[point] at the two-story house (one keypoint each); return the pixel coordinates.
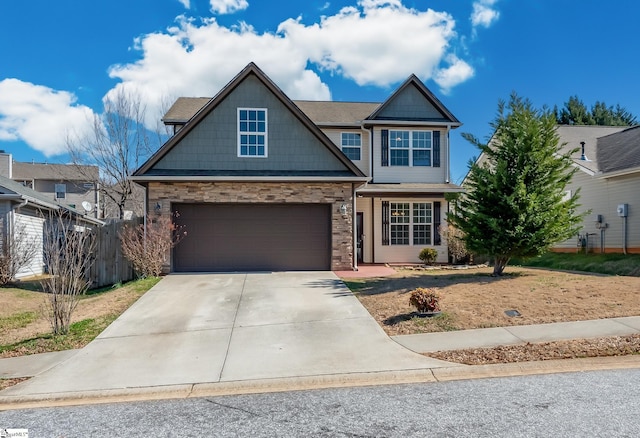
(261, 182)
(71, 185)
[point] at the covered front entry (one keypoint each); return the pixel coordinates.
(253, 237)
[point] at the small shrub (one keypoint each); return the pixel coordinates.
(425, 300)
(428, 255)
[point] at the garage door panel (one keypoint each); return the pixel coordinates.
(231, 237)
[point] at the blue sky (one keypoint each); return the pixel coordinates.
(61, 58)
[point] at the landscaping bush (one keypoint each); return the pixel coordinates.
(428, 255)
(425, 300)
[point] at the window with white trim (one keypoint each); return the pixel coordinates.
(61, 191)
(351, 144)
(411, 223)
(252, 132)
(410, 148)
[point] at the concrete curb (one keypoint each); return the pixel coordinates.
(429, 375)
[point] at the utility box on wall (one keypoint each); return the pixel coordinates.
(623, 210)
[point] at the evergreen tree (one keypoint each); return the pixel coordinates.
(575, 112)
(515, 205)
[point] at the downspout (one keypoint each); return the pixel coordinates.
(447, 150)
(624, 235)
(371, 153)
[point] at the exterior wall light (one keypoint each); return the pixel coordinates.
(343, 209)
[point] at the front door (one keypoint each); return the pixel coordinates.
(360, 236)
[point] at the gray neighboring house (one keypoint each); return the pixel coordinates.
(75, 186)
(262, 182)
(22, 208)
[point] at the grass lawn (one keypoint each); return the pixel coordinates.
(25, 327)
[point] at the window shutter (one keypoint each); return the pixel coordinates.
(436, 223)
(385, 222)
(385, 147)
(436, 148)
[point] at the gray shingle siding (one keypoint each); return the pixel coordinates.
(410, 104)
(212, 144)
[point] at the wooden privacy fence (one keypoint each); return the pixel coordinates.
(110, 266)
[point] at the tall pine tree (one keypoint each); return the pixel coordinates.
(515, 205)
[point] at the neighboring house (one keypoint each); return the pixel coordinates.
(23, 212)
(608, 177)
(75, 186)
(263, 182)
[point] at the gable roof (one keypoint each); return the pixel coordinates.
(619, 151)
(250, 70)
(413, 81)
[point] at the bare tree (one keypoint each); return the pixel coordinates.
(147, 246)
(17, 250)
(455, 242)
(119, 142)
(68, 255)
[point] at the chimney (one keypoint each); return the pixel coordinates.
(6, 164)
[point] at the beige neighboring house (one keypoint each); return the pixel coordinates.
(70, 185)
(609, 180)
(262, 182)
(608, 176)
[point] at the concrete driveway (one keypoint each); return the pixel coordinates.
(211, 328)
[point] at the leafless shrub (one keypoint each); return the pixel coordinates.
(68, 255)
(17, 250)
(147, 247)
(455, 242)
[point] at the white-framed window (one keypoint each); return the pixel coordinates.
(252, 132)
(410, 148)
(351, 144)
(422, 223)
(61, 191)
(411, 223)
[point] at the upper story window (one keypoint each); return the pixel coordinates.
(410, 148)
(351, 143)
(252, 132)
(61, 191)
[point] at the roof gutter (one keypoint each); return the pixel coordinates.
(617, 173)
(190, 178)
(449, 125)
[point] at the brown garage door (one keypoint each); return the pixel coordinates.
(253, 237)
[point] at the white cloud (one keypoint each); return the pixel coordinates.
(456, 73)
(377, 42)
(484, 14)
(185, 3)
(228, 6)
(40, 116)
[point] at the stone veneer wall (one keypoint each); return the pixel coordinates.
(337, 194)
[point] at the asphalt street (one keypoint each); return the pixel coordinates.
(588, 404)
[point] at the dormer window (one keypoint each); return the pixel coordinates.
(252, 132)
